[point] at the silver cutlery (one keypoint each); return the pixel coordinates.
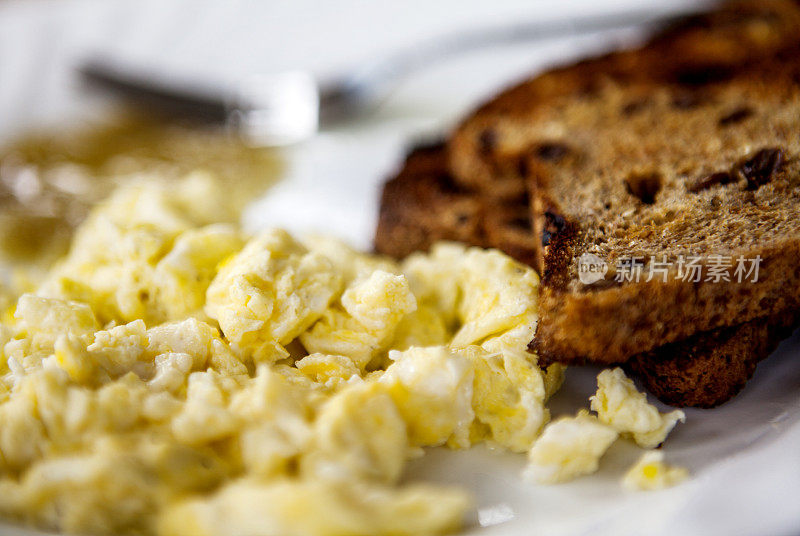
(283, 108)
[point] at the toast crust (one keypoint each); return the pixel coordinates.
(627, 320)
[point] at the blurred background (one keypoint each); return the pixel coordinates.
(216, 43)
(329, 182)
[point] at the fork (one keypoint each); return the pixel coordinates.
(287, 107)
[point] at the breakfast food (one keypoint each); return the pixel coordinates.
(650, 472)
(49, 179)
(620, 405)
(569, 447)
(703, 370)
(578, 145)
(176, 376)
(710, 367)
(722, 228)
(422, 204)
(734, 68)
(572, 446)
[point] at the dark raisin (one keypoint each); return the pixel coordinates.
(553, 224)
(551, 151)
(735, 116)
(448, 185)
(759, 168)
(487, 141)
(644, 186)
(554, 221)
(589, 89)
(722, 177)
(701, 75)
(433, 145)
(462, 218)
(546, 236)
(679, 25)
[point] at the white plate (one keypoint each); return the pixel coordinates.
(744, 456)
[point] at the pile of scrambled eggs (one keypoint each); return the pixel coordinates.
(176, 376)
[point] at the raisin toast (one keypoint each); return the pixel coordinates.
(709, 368)
(485, 150)
(422, 205)
(417, 208)
(702, 189)
(686, 147)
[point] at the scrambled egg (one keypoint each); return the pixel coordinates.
(291, 507)
(176, 376)
(484, 296)
(364, 321)
(432, 388)
(173, 375)
(569, 447)
(572, 446)
(509, 393)
(651, 473)
(113, 262)
(619, 404)
(269, 293)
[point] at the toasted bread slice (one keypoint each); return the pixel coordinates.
(709, 368)
(699, 188)
(717, 185)
(686, 148)
(422, 205)
(485, 150)
(704, 370)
